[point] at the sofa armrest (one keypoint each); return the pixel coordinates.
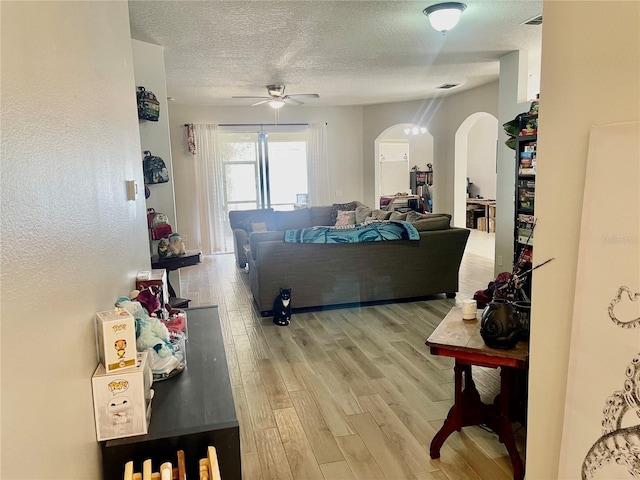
(240, 238)
(256, 237)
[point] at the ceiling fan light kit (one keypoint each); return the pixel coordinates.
(277, 98)
(276, 103)
(444, 16)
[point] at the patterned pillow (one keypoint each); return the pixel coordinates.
(345, 207)
(345, 218)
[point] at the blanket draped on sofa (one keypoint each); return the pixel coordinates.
(370, 232)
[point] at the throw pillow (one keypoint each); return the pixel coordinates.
(362, 212)
(345, 207)
(259, 227)
(345, 218)
(397, 216)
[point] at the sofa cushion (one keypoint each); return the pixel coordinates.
(291, 219)
(362, 212)
(345, 207)
(245, 219)
(429, 221)
(320, 216)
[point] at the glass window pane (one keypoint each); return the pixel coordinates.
(240, 182)
(287, 171)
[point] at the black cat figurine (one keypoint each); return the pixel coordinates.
(282, 308)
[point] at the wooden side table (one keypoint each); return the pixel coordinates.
(190, 412)
(461, 339)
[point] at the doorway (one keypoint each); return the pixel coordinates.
(397, 150)
(475, 159)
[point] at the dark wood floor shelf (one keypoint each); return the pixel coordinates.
(189, 412)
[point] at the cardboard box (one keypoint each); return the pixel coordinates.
(116, 337)
(156, 277)
(122, 400)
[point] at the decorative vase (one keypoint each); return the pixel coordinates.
(505, 323)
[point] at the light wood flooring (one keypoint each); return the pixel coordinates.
(348, 393)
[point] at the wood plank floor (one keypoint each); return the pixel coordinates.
(348, 393)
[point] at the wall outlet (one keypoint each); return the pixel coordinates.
(338, 193)
(499, 258)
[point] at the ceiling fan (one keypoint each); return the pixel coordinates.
(277, 98)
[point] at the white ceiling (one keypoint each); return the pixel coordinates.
(349, 52)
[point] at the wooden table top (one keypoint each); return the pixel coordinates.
(481, 201)
(461, 339)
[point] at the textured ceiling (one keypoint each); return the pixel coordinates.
(348, 52)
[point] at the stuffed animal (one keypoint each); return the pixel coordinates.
(176, 245)
(149, 298)
(163, 248)
(152, 335)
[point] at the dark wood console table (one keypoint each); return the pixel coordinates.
(190, 258)
(189, 412)
(461, 339)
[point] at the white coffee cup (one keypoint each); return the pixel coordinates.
(469, 309)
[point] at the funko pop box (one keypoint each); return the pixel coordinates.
(122, 400)
(116, 337)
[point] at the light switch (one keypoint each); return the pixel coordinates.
(132, 190)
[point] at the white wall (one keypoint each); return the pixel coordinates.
(71, 241)
(590, 76)
(442, 117)
(344, 132)
(513, 100)
(481, 156)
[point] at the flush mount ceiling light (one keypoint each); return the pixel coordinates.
(444, 16)
(276, 103)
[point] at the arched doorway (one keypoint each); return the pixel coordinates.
(391, 168)
(475, 158)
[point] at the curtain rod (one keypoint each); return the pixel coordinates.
(261, 124)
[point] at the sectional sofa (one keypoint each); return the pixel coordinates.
(345, 273)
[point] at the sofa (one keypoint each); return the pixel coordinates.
(347, 273)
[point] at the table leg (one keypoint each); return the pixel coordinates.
(467, 408)
(501, 422)
(172, 292)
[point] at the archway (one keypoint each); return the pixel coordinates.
(475, 151)
(393, 143)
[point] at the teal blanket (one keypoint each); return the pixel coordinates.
(369, 232)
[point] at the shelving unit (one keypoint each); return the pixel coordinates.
(526, 147)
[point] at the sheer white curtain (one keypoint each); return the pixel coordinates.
(209, 190)
(318, 165)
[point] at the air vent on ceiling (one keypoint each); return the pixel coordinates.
(537, 20)
(447, 86)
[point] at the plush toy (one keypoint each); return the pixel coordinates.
(149, 298)
(176, 245)
(152, 335)
(163, 248)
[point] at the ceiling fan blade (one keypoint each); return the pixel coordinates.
(260, 103)
(304, 95)
(250, 97)
(288, 99)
